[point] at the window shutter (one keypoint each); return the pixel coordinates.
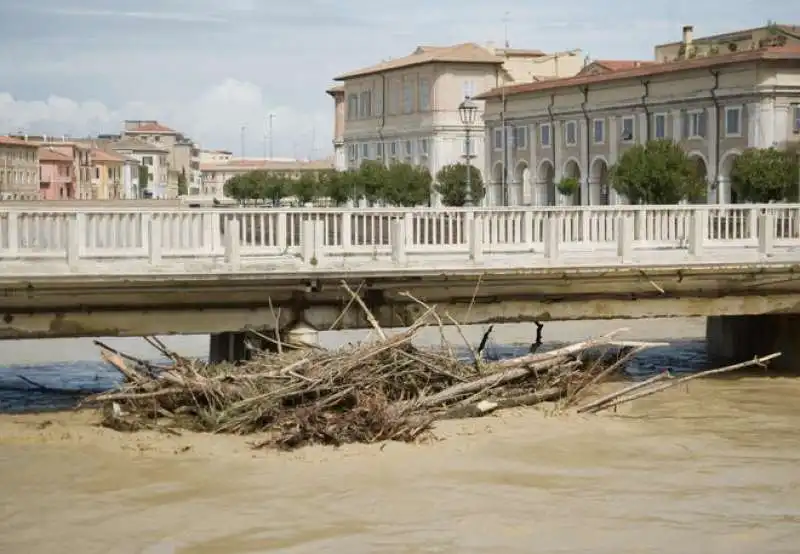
(701, 124)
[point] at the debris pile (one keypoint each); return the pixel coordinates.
(384, 389)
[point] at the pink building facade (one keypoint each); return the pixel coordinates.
(56, 175)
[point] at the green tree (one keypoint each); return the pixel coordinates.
(372, 181)
(183, 184)
(306, 187)
(407, 185)
(333, 185)
(451, 183)
(351, 184)
(765, 175)
(658, 172)
(144, 179)
(243, 187)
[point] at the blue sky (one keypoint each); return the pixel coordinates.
(208, 67)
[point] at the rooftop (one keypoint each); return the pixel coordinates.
(149, 127)
(11, 141)
(47, 154)
(468, 52)
(338, 89)
(647, 70)
(791, 29)
(103, 156)
(268, 165)
(136, 145)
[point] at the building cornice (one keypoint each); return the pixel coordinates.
(627, 106)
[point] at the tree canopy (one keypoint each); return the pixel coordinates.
(765, 175)
(659, 172)
(451, 183)
(399, 184)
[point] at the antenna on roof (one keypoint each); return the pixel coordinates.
(506, 17)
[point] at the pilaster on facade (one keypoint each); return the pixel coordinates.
(557, 143)
(641, 134)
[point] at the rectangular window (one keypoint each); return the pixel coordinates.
(352, 151)
(408, 97)
(521, 137)
(378, 104)
(379, 150)
(352, 107)
(599, 131)
(733, 121)
(660, 126)
(365, 151)
(365, 104)
(497, 139)
(796, 119)
(468, 89)
(544, 135)
(696, 122)
(147, 160)
(393, 149)
(394, 97)
(628, 128)
(571, 133)
(409, 148)
(424, 95)
(423, 147)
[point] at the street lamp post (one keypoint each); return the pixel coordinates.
(467, 112)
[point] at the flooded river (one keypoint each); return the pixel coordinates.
(714, 468)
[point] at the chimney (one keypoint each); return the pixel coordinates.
(688, 34)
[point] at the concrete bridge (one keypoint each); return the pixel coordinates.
(136, 271)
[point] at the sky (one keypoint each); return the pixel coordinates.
(209, 67)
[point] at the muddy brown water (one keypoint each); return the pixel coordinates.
(712, 468)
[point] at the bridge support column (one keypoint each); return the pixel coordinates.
(736, 338)
(228, 347)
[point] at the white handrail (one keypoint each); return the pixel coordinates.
(172, 233)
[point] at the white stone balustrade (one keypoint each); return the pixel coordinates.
(234, 236)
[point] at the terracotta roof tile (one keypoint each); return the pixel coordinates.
(98, 155)
(11, 141)
(136, 145)
(152, 128)
(268, 165)
(47, 154)
(460, 53)
(775, 53)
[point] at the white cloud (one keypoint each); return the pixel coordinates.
(214, 119)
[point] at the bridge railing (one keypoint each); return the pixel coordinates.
(134, 232)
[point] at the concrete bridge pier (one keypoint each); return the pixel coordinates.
(228, 347)
(232, 346)
(737, 338)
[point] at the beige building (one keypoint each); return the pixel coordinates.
(714, 104)
(183, 156)
(214, 156)
(107, 175)
(19, 169)
(154, 158)
(216, 173)
(406, 109)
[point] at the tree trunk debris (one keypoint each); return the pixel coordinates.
(385, 389)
